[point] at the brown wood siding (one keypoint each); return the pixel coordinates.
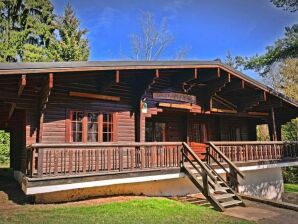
(247, 128)
(60, 104)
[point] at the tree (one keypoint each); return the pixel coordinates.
(72, 46)
(283, 48)
(289, 72)
(289, 5)
(234, 62)
(152, 41)
(27, 30)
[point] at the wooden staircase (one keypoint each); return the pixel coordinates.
(217, 191)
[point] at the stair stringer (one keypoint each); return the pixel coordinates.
(209, 197)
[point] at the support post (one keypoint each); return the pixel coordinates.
(273, 133)
(138, 122)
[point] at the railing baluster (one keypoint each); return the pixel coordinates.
(121, 159)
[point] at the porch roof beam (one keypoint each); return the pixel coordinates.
(234, 85)
(252, 101)
(206, 93)
(46, 91)
(22, 84)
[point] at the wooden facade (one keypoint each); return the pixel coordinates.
(128, 102)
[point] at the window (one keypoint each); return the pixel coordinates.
(235, 133)
(107, 131)
(155, 131)
(77, 126)
(91, 127)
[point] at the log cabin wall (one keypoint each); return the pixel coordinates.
(237, 129)
(54, 128)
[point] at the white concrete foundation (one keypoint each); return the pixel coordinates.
(170, 187)
(265, 183)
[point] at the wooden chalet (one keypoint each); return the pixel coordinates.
(79, 125)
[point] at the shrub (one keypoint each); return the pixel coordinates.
(4, 147)
(290, 174)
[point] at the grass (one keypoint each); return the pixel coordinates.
(293, 188)
(134, 211)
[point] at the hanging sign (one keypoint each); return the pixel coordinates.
(175, 96)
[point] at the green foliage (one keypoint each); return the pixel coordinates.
(290, 131)
(289, 73)
(263, 133)
(289, 5)
(27, 29)
(72, 46)
(234, 62)
(290, 174)
(283, 48)
(4, 147)
(28, 33)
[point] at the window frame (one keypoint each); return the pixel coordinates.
(69, 121)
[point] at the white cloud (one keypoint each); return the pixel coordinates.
(172, 7)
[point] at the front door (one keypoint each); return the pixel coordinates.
(198, 138)
(156, 131)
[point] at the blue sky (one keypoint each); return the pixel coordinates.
(208, 28)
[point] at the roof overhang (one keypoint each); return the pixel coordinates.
(68, 67)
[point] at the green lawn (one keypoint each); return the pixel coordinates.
(135, 211)
(291, 188)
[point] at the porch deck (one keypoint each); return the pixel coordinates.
(69, 160)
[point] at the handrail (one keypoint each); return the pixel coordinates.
(224, 143)
(111, 144)
(228, 161)
(197, 159)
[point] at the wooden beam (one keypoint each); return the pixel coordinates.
(196, 73)
(11, 110)
(176, 105)
(51, 81)
(46, 91)
(117, 76)
(273, 123)
(252, 101)
(22, 85)
(157, 73)
(234, 85)
(258, 113)
(217, 110)
(206, 93)
(224, 102)
(94, 96)
(44, 98)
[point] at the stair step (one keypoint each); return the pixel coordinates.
(223, 196)
(231, 203)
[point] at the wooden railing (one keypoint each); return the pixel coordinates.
(214, 156)
(256, 151)
(46, 160)
(189, 156)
